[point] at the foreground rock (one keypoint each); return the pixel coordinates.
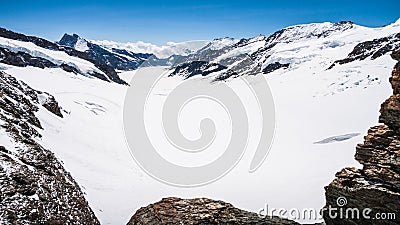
(34, 186)
(198, 211)
(377, 185)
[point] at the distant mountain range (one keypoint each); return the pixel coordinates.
(319, 44)
(77, 55)
(286, 49)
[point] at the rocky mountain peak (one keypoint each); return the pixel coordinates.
(74, 41)
(69, 40)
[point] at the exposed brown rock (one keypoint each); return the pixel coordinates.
(395, 81)
(198, 211)
(360, 194)
(380, 155)
(377, 185)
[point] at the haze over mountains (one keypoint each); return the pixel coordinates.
(62, 103)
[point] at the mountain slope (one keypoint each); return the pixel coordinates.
(296, 46)
(35, 188)
(64, 57)
(374, 49)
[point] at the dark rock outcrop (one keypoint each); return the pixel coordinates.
(34, 186)
(374, 49)
(377, 185)
(52, 105)
(199, 211)
(197, 68)
(274, 66)
(109, 71)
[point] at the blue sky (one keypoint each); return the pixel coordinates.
(161, 21)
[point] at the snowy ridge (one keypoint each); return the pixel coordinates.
(56, 57)
(217, 44)
(317, 44)
(310, 31)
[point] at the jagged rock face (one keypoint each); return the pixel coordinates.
(377, 184)
(71, 41)
(51, 104)
(380, 154)
(390, 109)
(374, 49)
(110, 73)
(34, 186)
(390, 112)
(361, 193)
(118, 59)
(199, 211)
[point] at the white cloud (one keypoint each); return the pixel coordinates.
(164, 51)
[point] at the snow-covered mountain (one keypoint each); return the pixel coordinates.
(327, 80)
(21, 50)
(119, 59)
(320, 45)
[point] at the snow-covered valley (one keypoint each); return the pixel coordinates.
(311, 104)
